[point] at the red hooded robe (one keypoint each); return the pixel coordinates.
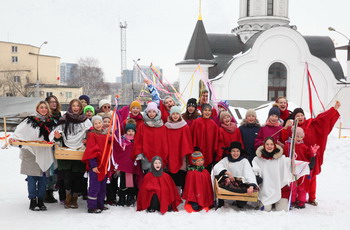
(225, 139)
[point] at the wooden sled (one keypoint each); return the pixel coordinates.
(62, 153)
(33, 143)
(224, 194)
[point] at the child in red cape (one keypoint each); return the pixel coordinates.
(151, 139)
(205, 135)
(198, 191)
(92, 157)
(158, 191)
(305, 153)
(316, 132)
(228, 132)
(192, 112)
(179, 145)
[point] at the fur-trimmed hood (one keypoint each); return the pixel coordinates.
(275, 156)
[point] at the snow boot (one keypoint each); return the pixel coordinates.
(49, 198)
(121, 201)
(95, 211)
(74, 201)
(41, 204)
(67, 202)
(130, 201)
(312, 202)
(33, 205)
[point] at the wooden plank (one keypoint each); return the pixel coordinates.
(32, 144)
(224, 194)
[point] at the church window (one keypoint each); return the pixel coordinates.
(269, 7)
(277, 83)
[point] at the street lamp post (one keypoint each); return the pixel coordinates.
(347, 47)
(37, 70)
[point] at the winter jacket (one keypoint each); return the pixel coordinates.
(249, 132)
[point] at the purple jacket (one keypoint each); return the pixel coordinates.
(268, 131)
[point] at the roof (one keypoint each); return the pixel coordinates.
(52, 86)
(198, 50)
(323, 48)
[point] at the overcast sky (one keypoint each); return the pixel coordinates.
(158, 30)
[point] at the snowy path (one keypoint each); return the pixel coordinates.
(333, 211)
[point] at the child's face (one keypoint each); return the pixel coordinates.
(204, 98)
(299, 138)
(235, 153)
(168, 103)
(300, 117)
(175, 116)
(269, 146)
(199, 162)
(83, 103)
(226, 120)
(151, 114)
(273, 118)
(97, 125)
(42, 109)
(157, 165)
(130, 132)
(282, 104)
(206, 113)
(89, 114)
(221, 108)
(251, 119)
(135, 111)
(106, 122)
(191, 109)
(76, 108)
(106, 108)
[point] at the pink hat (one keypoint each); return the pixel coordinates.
(152, 106)
(300, 132)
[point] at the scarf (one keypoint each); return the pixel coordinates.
(229, 128)
(69, 119)
(155, 122)
(268, 123)
(175, 125)
(196, 168)
(127, 140)
(267, 155)
(138, 117)
(284, 114)
(44, 123)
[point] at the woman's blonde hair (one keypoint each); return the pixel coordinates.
(49, 113)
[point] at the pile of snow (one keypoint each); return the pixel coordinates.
(332, 213)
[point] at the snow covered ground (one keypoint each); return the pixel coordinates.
(333, 211)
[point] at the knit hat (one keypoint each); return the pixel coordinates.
(156, 173)
(94, 118)
(204, 106)
(192, 102)
(89, 108)
(130, 126)
(250, 112)
(135, 104)
(299, 132)
(223, 114)
(175, 109)
(166, 97)
(224, 104)
(196, 155)
(275, 111)
(234, 145)
(86, 98)
(152, 106)
(296, 111)
(103, 102)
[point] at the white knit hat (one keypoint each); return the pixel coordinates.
(103, 102)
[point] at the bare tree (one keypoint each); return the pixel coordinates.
(14, 82)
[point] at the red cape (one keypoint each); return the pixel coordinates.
(164, 111)
(198, 188)
(164, 187)
(303, 151)
(179, 145)
(316, 132)
(151, 142)
(225, 139)
(94, 149)
(205, 135)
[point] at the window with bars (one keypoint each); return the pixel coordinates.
(277, 81)
(269, 7)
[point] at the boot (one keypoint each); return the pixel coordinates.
(74, 201)
(41, 204)
(49, 198)
(67, 202)
(121, 201)
(95, 211)
(130, 201)
(33, 205)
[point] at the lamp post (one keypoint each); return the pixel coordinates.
(37, 69)
(347, 47)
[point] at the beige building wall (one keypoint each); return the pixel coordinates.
(22, 60)
(63, 94)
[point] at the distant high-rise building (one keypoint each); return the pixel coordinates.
(66, 70)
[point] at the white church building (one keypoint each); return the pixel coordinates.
(263, 58)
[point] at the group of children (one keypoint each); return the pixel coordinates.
(157, 157)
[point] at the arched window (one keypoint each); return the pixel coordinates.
(277, 85)
(269, 7)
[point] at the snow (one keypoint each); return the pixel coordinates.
(332, 213)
